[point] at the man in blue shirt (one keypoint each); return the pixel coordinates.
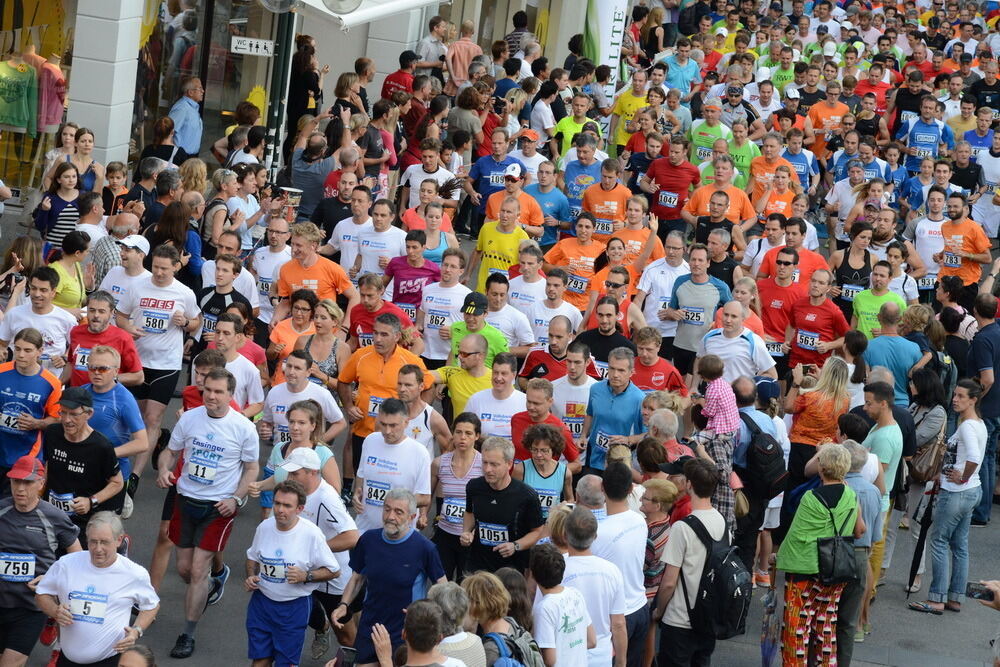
(924, 136)
(186, 114)
(892, 351)
(984, 365)
(614, 410)
(682, 71)
(486, 176)
(981, 136)
(555, 205)
(580, 174)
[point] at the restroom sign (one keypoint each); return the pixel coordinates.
(252, 47)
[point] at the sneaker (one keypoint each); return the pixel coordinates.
(761, 578)
(132, 485)
(320, 644)
(127, 506)
(54, 658)
(183, 647)
(979, 523)
(218, 586)
(49, 633)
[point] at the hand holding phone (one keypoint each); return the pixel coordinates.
(978, 591)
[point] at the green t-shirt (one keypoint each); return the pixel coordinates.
(887, 444)
(782, 77)
(702, 137)
(866, 307)
(569, 129)
(708, 176)
(496, 341)
(798, 553)
(742, 155)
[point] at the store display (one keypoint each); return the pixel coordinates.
(18, 96)
(52, 95)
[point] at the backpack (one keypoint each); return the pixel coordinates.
(945, 367)
(517, 649)
(724, 592)
(766, 474)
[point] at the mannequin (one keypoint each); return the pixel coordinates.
(52, 94)
(20, 114)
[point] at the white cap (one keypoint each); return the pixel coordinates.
(135, 241)
(722, 31)
(829, 49)
(791, 93)
(301, 458)
(763, 73)
(847, 25)
(513, 169)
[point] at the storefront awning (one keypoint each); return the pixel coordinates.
(372, 10)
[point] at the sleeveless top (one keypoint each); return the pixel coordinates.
(851, 282)
(549, 489)
(328, 365)
(868, 127)
(435, 254)
(453, 492)
(419, 428)
(87, 179)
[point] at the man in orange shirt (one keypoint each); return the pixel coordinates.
(459, 56)
(966, 248)
(513, 186)
(308, 270)
(636, 233)
(740, 211)
(825, 118)
(606, 200)
(809, 261)
(762, 167)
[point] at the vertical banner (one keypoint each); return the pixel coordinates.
(603, 35)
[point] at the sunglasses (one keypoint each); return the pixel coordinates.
(611, 285)
(465, 355)
(781, 262)
(511, 179)
(102, 369)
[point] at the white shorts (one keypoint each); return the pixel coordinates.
(772, 518)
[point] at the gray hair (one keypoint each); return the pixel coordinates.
(109, 519)
(399, 493)
(677, 234)
(881, 374)
(392, 321)
(580, 528)
(723, 158)
(476, 67)
(188, 85)
(739, 121)
(454, 603)
(532, 49)
(773, 135)
(349, 156)
(150, 167)
(664, 422)
(723, 235)
(167, 180)
(584, 139)
(589, 492)
(622, 353)
(962, 144)
(101, 295)
(859, 455)
(494, 442)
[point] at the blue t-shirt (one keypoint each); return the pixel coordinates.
(681, 76)
(578, 178)
(898, 177)
(838, 164)
(612, 414)
(805, 164)
(553, 203)
(116, 416)
(979, 144)
(504, 86)
(926, 138)
(984, 354)
(20, 394)
(309, 177)
(487, 174)
(396, 574)
(899, 356)
(877, 168)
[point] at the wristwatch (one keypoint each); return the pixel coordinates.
(94, 502)
(309, 576)
(240, 502)
(517, 547)
(138, 629)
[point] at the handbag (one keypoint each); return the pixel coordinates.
(925, 465)
(837, 564)
(741, 506)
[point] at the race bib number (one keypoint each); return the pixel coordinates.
(807, 340)
(547, 499)
(603, 440)
(577, 284)
(574, 213)
(63, 501)
(774, 348)
(668, 199)
(201, 470)
(604, 226)
(155, 321)
(906, 116)
(375, 493)
(10, 421)
(453, 510)
(795, 276)
(365, 339)
(17, 567)
(409, 309)
(848, 292)
(374, 402)
(951, 260)
(492, 534)
(272, 569)
(694, 316)
(88, 607)
(82, 355)
(925, 152)
(435, 319)
(926, 282)
(281, 434)
(496, 178)
(602, 368)
(703, 153)
(264, 287)
(208, 323)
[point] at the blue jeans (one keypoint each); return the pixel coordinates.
(988, 471)
(950, 537)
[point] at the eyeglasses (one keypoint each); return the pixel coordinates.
(277, 231)
(101, 369)
(675, 247)
(465, 355)
(781, 262)
(611, 285)
(302, 309)
(74, 415)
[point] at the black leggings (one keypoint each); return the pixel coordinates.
(453, 555)
(323, 606)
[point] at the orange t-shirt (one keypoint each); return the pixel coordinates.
(778, 203)
(578, 260)
(762, 172)
(325, 277)
(815, 418)
(973, 239)
(740, 208)
(752, 322)
(412, 220)
(531, 212)
(597, 282)
(376, 380)
(825, 119)
(809, 262)
(284, 333)
(634, 240)
(608, 206)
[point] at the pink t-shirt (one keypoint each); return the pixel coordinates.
(409, 282)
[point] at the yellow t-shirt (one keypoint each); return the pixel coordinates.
(461, 385)
(499, 251)
(71, 291)
(625, 107)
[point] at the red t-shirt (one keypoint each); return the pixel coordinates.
(81, 342)
(541, 364)
(398, 81)
(363, 322)
(774, 302)
(331, 186)
(520, 422)
(814, 324)
(879, 89)
(675, 186)
(661, 376)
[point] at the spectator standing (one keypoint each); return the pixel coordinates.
(186, 114)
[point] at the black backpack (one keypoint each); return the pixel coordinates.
(724, 592)
(766, 474)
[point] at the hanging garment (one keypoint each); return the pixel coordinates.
(18, 96)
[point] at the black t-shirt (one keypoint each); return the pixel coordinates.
(906, 101)
(638, 164)
(371, 143)
(213, 304)
(138, 193)
(29, 533)
(501, 516)
(600, 345)
(704, 226)
(986, 94)
(936, 42)
(723, 270)
(79, 469)
(967, 178)
(807, 99)
(328, 213)
(175, 155)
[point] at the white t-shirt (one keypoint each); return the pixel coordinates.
(415, 175)
(685, 550)
(281, 397)
(530, 163)
(494, 413)
(303, 546)
(539, 315)
(569, 402)
(522, 294)
(100, 600)
(603, 589)
(561, 622)
(267, 264)
(243, 283)
(325, 509)
(513, 324)
(904, 286)
(843, 196)
(542, 119)
(441, 307)
(95, 232)
(384, 467)
(657, 281)
(345, 239)
(925, 234)
(786, 448)
(151, 309)
(968, 443)
(372, 245)
(753, 256)
(117, 282)
(621, 539)
(248, 387)
(215, 450)
(745, 354)
(53, 325)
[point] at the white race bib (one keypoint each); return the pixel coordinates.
(88, 607)
(807, 340)
(926, 282)
(694, 316)
(272, 569)
(774, 348)
(848, 292)
(17, 567)
(375, 493)
(202, 470)
(492, 534)
(63, 501)
(453, 510)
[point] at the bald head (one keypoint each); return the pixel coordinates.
(733, 314)
(745, 390)
(889, 314)
(124, 224)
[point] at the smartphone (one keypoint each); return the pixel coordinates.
(978, 592)
(499, 105)
(350, 656)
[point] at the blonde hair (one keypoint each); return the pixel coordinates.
(661, 491)
(832, 382)
(332, 309)
(915, 318)
(194, 175)
(654, 20)
(620, 453)
(488, 599)
(834, 461)
(793, 181)
(751, 284)
(358, 121)
(556, 524)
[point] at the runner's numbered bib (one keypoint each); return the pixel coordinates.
(926, 282)
(774, 348)
(602, 368)
(409, 309)
(668, 199)
(201, 470)
(155, 321)
(574, 213)
(281, 434)
(848, 292)
(272, 569)
(10, 420)
(88, 607)
(374, 402)
(924, 153)
(365, 339)
(547, 499)
(63, 501)
(264, 287)
(807, 340)
(604, 226)
(453, 510)
(951, 260)
(435, 319)
(375, 493)
(577, 284)
(603, 440)
(906, 116)
(496, 178)
(17, 568)
(492, 534)
(703, 153)
(82, 355)
(694, 316)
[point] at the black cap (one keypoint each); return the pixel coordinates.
(966, 58)
(76, 397)
(822, 29)
(675, 467)
(777, 6)
(933, 22)
(475, 304)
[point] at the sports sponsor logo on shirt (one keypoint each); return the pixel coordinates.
(382, 464)
(158, 304)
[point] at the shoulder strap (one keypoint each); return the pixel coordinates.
(839, 532)
(750, 423)
(501, 643)
(695, 524)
